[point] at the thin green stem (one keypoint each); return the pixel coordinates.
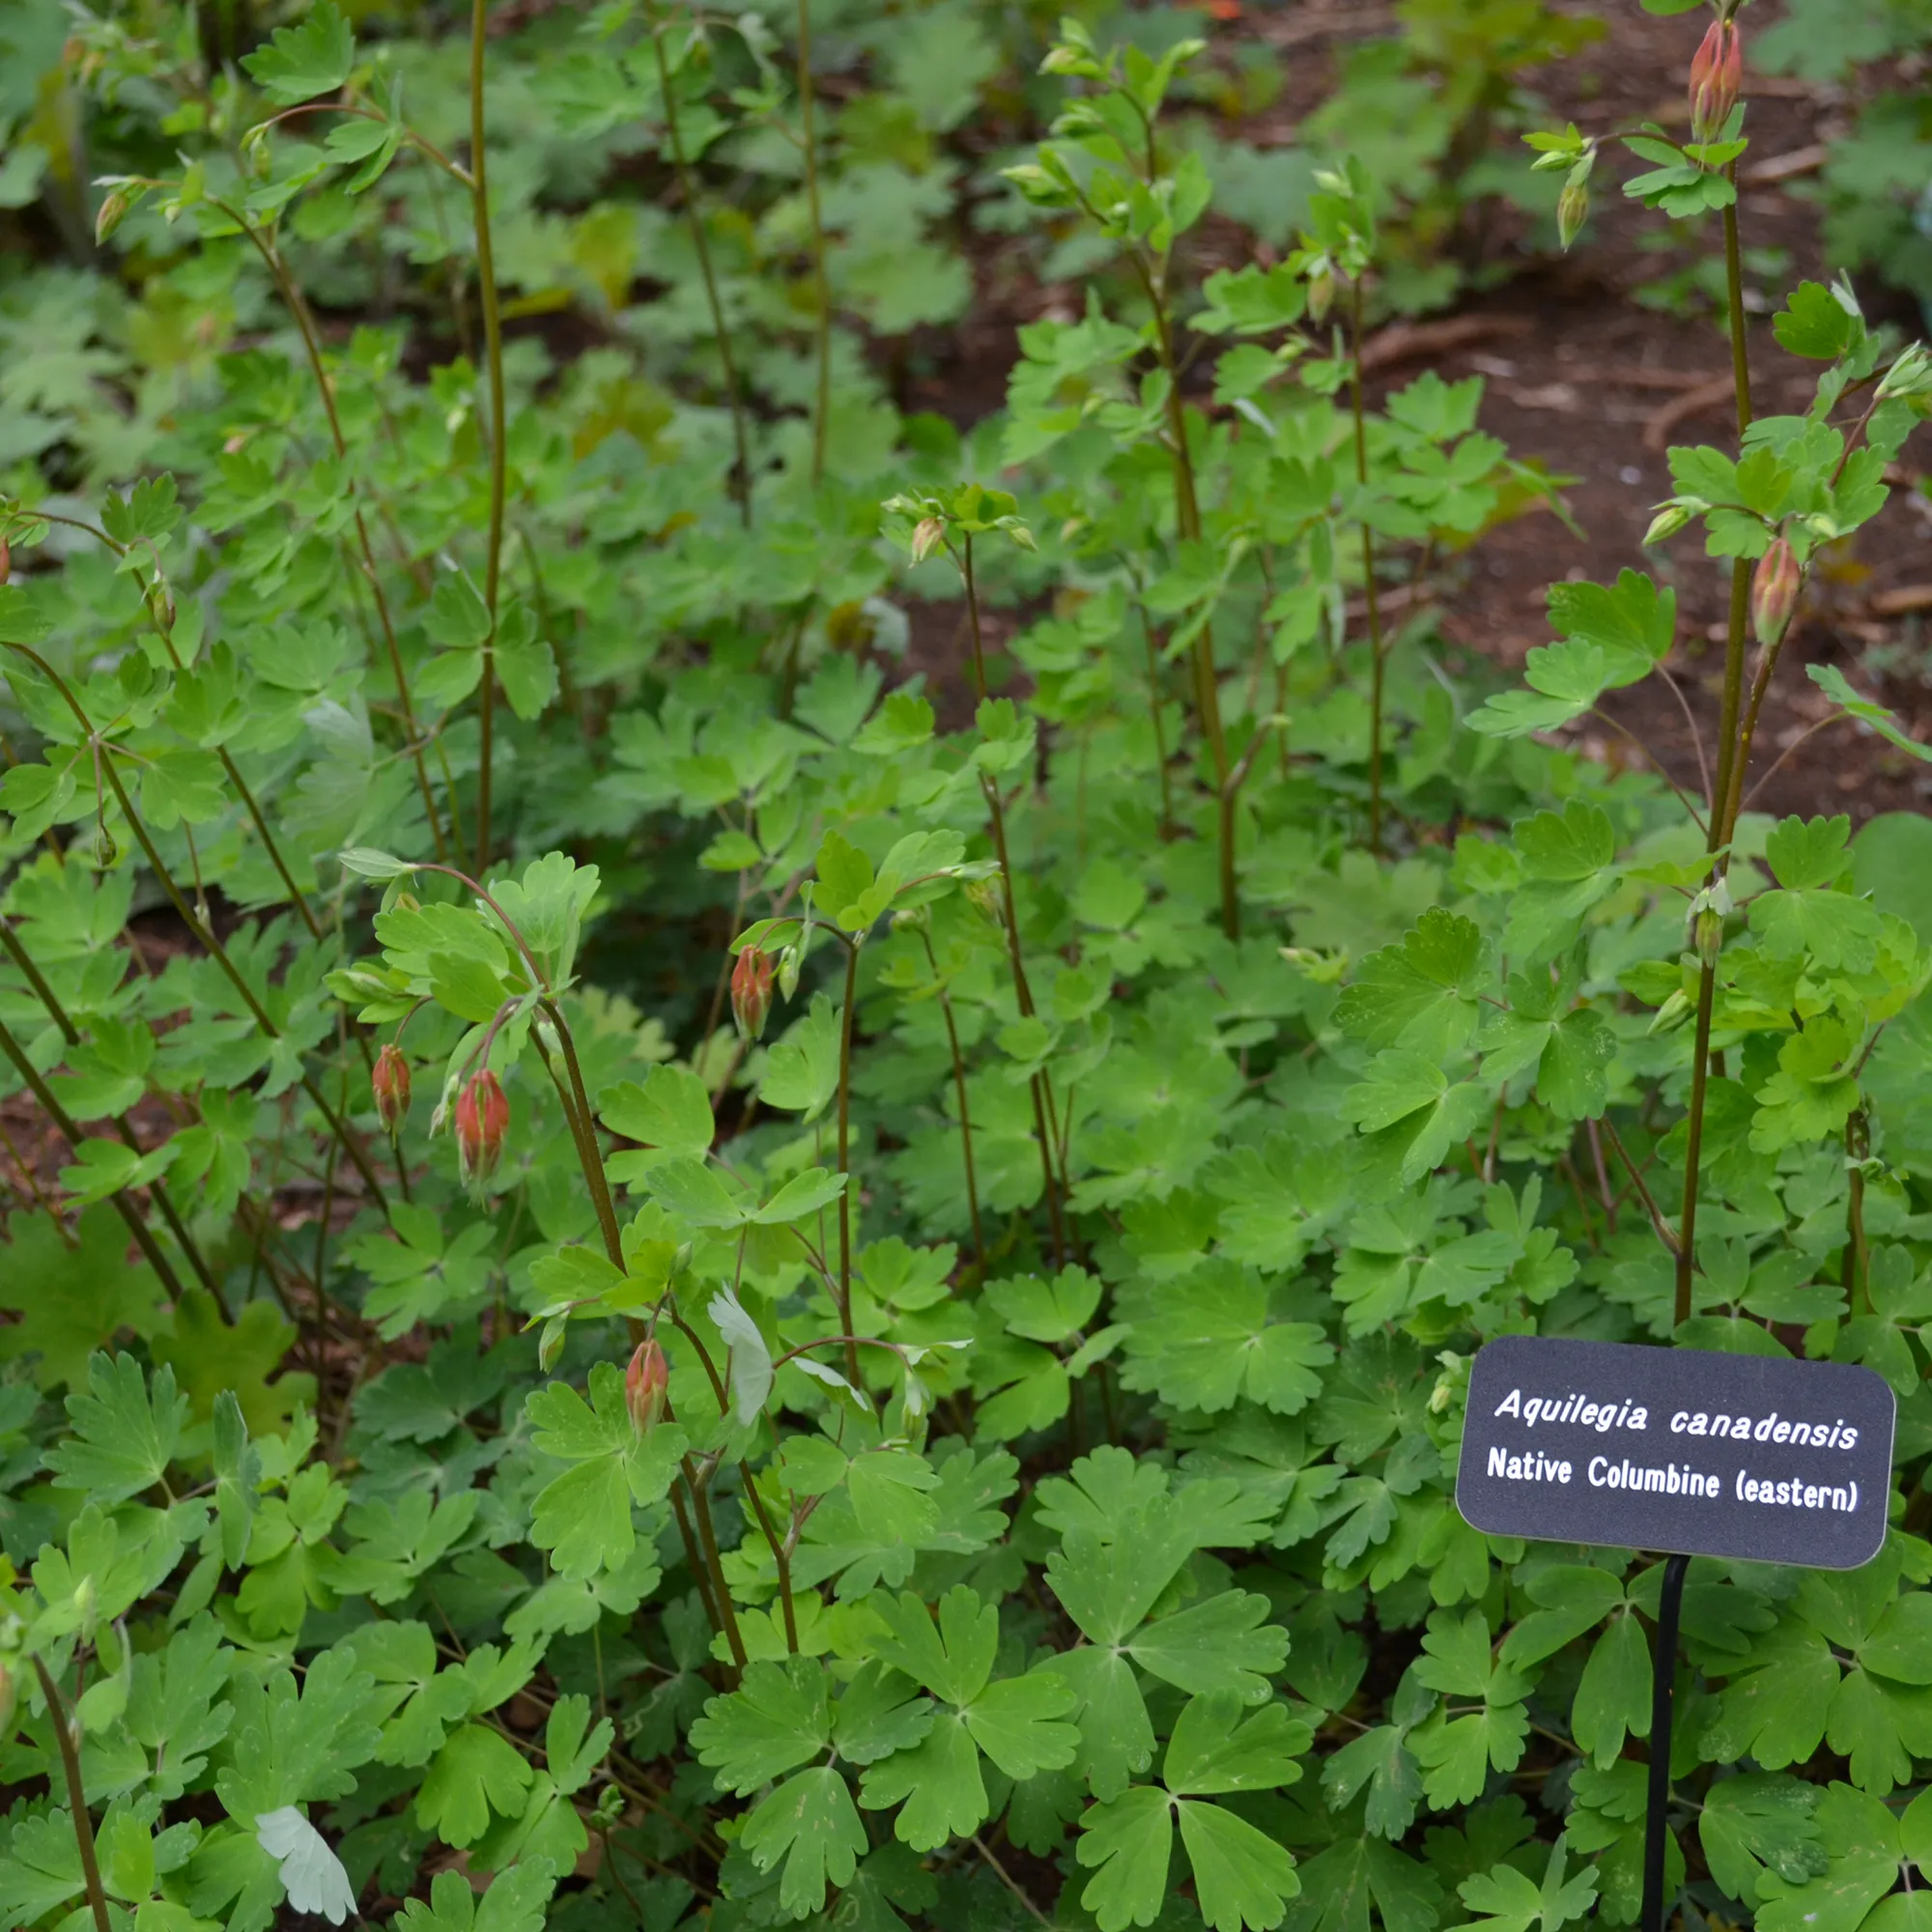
(71, 1131)
(499, 429)
(164, 629)
(76, 1796)
(1187, 526)
(1857, 1272)
(586, 1154)
(591, 1158)
(741, 484)
(205, 938)
(707, 1536)
(1370, 589)
(781, 1556)
(298, 309)
(11, 944)
(700, 1574)
(959, 1090)
(822, 415)
(845, 1159)
(1042, 1093)
(1159, 729)
(1724, 791)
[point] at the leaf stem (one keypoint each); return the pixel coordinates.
(10, 942)
(781, 1556)
(822, 408)
(1040, 1083)
(708, 1536)
(589, 1151)
(70, 1129)
(1857, 1272)
(204, 936)
(1728, 781)
(845, 1157)
(304, 324)
(741, 482)
(492, 359)
(960, 1091)
(76, 1796)
(1369, 588)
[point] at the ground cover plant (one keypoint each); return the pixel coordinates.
(782, 1130)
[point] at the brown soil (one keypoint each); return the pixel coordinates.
(1595, 384)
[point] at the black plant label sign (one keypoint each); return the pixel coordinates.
(1677, 1450)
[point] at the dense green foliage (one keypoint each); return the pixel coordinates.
(992, 1022)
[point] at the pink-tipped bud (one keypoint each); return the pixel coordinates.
(482, 1118)
(391, 1083)
(1775, 586)
(645, 1383)
(6, 559)
(1717, 78)
(751, 991)
(928, 535)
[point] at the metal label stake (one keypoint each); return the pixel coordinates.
(1663, 1693)
(1748, 1457)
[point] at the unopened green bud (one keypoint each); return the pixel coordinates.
(1320, 295)
(1573, 208)
(1910, 376)
(1709, 937)
(108, 220)
(1668, 521)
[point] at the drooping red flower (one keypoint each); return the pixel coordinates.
(1716, 77)
(482, 1118)
(391, 1083)
(751, 991)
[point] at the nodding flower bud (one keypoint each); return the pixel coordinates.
(927, 537)
(6, 559)
(482, 1118)
(1573, 206)
(645, 1382)
(10, 1697)
(1775, 586)
(751, 991)
(1716, 77)
(1321, 296)
(1668, 521)
(391, 1082)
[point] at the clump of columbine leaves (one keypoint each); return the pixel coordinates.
(878, 1321)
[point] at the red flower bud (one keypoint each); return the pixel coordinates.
(391, 1082)
(751, 991)
(482, 1118)
(6, 559)
(1775, 586)
(645, 1382)
(1716, 77)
